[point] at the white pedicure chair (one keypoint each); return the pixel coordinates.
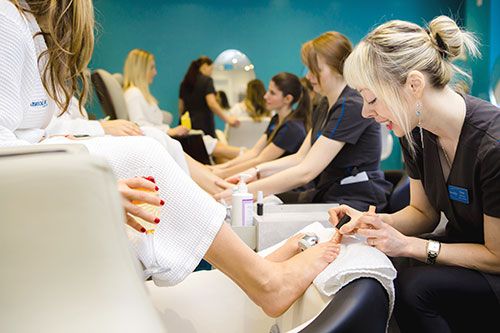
(67, 265)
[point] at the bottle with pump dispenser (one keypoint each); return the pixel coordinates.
(242, 204)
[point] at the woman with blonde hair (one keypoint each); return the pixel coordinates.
(45, 47)
(451, 150)
(138, 74)
(253, 105)
(341, 151)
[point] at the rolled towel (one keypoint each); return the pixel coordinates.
(356, 259)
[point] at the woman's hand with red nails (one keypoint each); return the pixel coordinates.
(138, 190)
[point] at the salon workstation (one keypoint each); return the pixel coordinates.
(273, 166)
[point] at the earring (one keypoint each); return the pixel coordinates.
(418, 112)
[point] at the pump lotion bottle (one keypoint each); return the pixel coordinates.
(242, 204)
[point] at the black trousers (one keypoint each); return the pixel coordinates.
(445, 299)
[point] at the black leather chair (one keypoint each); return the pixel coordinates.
(400, 194)
(110, 94)
(360, 306)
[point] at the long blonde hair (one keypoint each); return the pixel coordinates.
(254, 100)
(135, 72)
(68, 29)
(382, 60)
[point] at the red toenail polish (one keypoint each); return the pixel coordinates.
(156, 188)
(157, 220)
(162, 202)
(143, 230)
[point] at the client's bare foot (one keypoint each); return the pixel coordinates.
(287, 250)
(288, 280)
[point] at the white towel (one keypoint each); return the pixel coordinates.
(356, 259)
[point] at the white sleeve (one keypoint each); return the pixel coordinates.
(167, 117)
(74, 122)
(12, 56)
(136, 110)
(163, 127)
(63, 126)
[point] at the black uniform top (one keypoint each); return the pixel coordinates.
(473, 185)
(361, 152)
(194, 101)
(289, 136)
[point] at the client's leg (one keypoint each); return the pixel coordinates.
(192, 227)
(274, 286)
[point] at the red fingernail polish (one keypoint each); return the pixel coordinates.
(143, 230)
(157, 220)
(150, 178)
(156, 188)
(162, 202)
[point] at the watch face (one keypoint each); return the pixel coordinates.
(432, 251)
(433, 247)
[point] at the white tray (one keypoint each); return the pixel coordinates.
(282, 221)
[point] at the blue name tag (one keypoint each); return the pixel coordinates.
(458, 194)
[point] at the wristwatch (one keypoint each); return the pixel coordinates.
(433, 248)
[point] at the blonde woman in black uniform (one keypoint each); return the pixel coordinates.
(452, 153)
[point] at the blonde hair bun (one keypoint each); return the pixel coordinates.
(451, 41)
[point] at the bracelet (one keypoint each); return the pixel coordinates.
(257, 172)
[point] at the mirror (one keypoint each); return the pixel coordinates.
(232, 71)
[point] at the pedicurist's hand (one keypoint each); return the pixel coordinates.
(232, 121)
(339, 212)
(252, 172)
(379, 234)
(139, 190)
(339, 215)
(120, 127)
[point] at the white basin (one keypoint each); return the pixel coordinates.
(208, 301)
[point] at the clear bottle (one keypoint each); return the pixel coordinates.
(242, 204)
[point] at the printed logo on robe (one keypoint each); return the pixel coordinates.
(41, 103)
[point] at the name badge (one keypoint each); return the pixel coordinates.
(458, 194)
(359, 178)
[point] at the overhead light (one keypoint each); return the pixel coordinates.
(232, 59)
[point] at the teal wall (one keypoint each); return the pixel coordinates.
(484, 20)
(269, 32)
(477, 19)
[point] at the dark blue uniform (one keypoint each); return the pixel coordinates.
(289, 137)
(361, 153)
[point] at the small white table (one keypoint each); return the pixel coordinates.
(282, 221)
